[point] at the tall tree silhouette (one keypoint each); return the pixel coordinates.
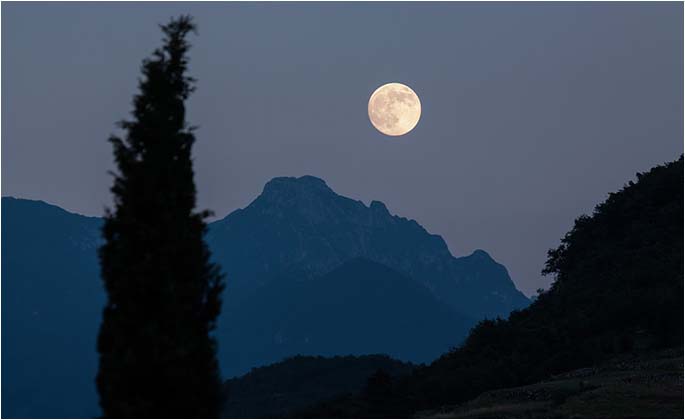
(157, 355)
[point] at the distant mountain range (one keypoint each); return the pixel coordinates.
(297, 231)
(52, 300)
(308, 272)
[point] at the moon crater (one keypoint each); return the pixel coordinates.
(394, 109)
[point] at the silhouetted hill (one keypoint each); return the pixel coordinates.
(51, 310)
(618, 289)
(360, 307)
(297, 382)
(274, 251)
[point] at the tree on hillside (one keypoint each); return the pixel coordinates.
(157, 355)
(632, 247)
(618, 288)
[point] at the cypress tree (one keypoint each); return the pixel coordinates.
(157, 353)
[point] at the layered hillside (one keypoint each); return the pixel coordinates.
(289, 257)
(618, 290)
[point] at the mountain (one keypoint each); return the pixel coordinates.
(281, 254)
(295, 383)
(300, 226)
(51, 309)
(360, 307)
(617, 292)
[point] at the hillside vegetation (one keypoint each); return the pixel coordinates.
(628, 386)
(618, 289)
(297, 382)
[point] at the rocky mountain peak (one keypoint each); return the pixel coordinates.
(480, 254)
(300, 225)
(306, 193)
(288, 185)
(378, 207)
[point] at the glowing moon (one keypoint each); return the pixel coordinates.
(394, 109)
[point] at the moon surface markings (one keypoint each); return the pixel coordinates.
(394, 109)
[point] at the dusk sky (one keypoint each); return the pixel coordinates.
(531, 113)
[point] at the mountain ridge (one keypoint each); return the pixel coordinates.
(302, 225)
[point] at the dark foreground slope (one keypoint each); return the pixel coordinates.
(300, 381)
(628, 386)
(618, 290)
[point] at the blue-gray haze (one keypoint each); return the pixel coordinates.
(531, 112)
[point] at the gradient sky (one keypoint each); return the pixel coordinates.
(532, 113)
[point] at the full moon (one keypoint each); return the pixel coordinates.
(394, 109)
